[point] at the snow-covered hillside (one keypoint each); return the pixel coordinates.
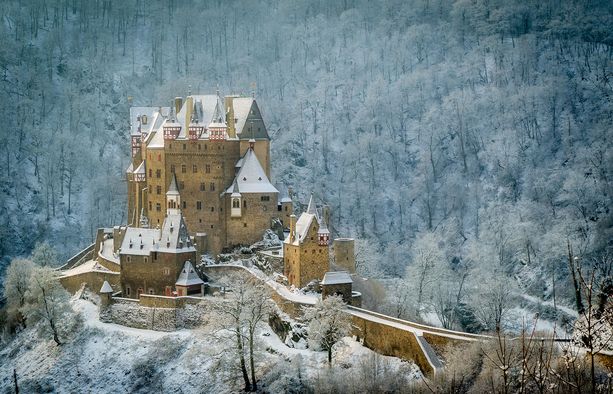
(108, 358)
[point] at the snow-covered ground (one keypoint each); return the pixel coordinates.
(104, 358)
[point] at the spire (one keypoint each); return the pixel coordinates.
(194, 118)
(312, 209)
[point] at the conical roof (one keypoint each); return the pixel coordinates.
(188, 276)
(106, 288)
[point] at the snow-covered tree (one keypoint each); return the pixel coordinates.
(328, 324)
(16, 283)
(44, 255)
(242, 310)
(47, 302)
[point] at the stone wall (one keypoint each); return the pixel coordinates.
(150, 275)
(84, 255)
(256, 217)
(94, 280)
(391, 341)
(130, 313)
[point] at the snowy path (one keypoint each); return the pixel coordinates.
(535, 300)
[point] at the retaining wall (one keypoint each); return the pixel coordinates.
(93, 279)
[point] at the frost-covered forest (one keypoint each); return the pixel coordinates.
(454, 139)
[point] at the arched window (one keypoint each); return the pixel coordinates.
(236, 203)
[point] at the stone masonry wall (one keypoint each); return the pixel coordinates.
(131, 314)
(94, 280)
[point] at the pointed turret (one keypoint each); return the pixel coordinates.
(217, 127)
(311, 208)
(195, 127)
(173, 198)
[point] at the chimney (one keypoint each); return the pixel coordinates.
(292, 228)
(178, 104)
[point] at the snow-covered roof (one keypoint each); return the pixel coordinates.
(283, 193)
(141, 168)
(106, 288)
(302, 228)
(204, 105)
(304, 223)
(242, 106)
(251, 177)
(188, 276)
(153, 115)
(139, 241)
(130, 169)
(336, 278)
(171, 238)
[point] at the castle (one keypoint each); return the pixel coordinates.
(199, 183)
(219, 151)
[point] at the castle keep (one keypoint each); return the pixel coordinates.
(219, 151)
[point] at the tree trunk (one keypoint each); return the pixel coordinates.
(241, 354)
(571, 267)
(254, 384)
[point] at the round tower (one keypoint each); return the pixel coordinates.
(344, 253)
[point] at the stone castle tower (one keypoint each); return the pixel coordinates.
(305, 249)
(218, 152)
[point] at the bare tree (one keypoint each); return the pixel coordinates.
(243, 308)
(593, 330)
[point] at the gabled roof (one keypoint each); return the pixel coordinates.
(304, 222)
(336, 278)
(251, 177)
(174, 236)
(171, 238)
(188, 276)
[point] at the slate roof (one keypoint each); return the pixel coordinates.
(251, 177)
(188, 276)
(171, 238)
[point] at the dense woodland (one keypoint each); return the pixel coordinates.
(461, 142)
